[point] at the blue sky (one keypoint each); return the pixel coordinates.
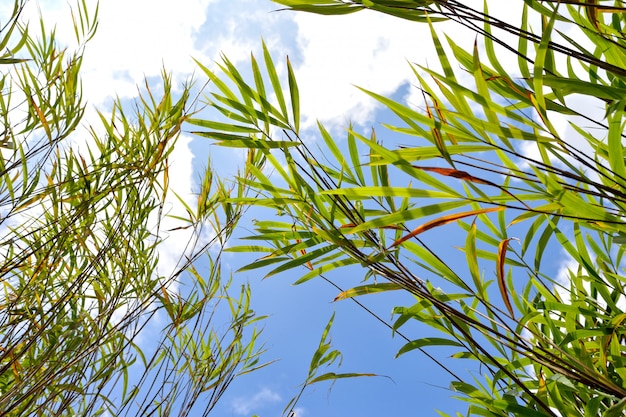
(136, 39)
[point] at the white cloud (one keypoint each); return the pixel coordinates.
(365, 49)
(134, 40)
(371, 50)
(235, 33)
(567, 266)
(138, 39)
(246, 405)
(299, 412)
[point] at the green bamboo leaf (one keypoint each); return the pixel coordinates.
(492, 257)
(224, 127)
(356, 193)
(230, 114)
(367, 289)
(441, 53)
(263, 263)
(216, 80)
(304, 259)
(491, 53)
(399, 218)
(390, 157)
(407, 114)
(431, 152)
(482, 88)
(331, 376)
(323, 7)
(434, 264)
(11, 61)
(325, 269)
(249, 113)
(406, 11)
(616, 409)
(516, 409)
(472, 259)
(481, 235)
(574, 86)
(323, 346)
(258, 81)
(332, 146)
(234, 141)
(295, 96)
(354, 156)
(271, 71)
(250, 248)
(615, 146)
(542, 55)
(427, 341)
(231, 71)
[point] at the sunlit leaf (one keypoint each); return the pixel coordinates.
(441, 221)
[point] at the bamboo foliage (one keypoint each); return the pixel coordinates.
(547, 347)
(79, 245)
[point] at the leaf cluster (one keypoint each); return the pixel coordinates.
(546, 346)
(80, 238)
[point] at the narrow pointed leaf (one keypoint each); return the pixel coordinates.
(295, 96)
(427, 341)
(501, 278)
(367, 289)
(443, 221)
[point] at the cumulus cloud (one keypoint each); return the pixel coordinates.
(246, 405)
(134, 40)
(138, 39)
(373, 51)
(365, 49)
(567, 266)
(299, 412)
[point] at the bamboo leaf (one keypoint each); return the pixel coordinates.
(573, 86)
(323, 7)
(295, 96)
(472, 258)
(367, 289)
(400, 217)
(368, 192)
(354, 156)
(325, 269)
(271, 71)
(331, 376)
(443, 221)
(615, 147)
(616, 410)
(427, 341)
(500, 274)
(223, 127)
